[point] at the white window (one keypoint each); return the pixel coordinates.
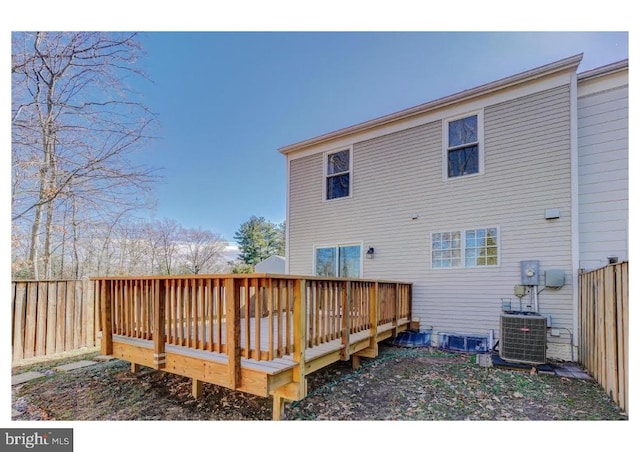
(463, 147)
(481, 247)
(478, 249)
(340, 260)
(337, 174)
(445, 249)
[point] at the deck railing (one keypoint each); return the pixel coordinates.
(255, 316)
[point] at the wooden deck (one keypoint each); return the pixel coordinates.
(259, 333)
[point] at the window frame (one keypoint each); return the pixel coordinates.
(446, 148)
(463, 248)
(336, 262)
(326, 175)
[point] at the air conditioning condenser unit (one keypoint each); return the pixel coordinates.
(523, 337)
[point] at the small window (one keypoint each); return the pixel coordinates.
(463, 146)
(341, 260)
(338, 172)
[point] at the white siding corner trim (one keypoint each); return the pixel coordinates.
(575, 213)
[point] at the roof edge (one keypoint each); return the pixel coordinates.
(604, 70)
(541, 71)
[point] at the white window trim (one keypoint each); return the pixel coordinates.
(337, 245)
(445, 144)
(325, 156)
(463, 248)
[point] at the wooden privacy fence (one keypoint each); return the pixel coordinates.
(50, 317)
(604, 329)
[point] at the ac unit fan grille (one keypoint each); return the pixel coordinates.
(523, 338)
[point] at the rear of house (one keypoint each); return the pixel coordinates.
(456, 194)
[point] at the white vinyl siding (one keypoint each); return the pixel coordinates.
(399, 198)
(603, 130)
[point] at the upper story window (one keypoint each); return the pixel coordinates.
(463, 146)
(338, 174)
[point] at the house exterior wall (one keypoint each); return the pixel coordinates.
(603, 131)
(398, 175)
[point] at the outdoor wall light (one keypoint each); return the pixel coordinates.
(370, 252)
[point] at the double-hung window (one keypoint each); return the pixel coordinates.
(467, 248)
(463, 146)
(338, 174)
(340, 260)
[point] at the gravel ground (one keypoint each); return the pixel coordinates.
(400, 384)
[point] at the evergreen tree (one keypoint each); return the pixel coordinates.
(258, 239)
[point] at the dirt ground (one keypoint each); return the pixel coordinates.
(400, 384)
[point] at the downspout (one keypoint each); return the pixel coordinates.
(287, 222)
(575, 211)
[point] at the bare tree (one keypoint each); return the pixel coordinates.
(203, 251)
(75, 125)
(164, 237)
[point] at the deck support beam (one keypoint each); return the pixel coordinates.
(135, 368)
(196, 388)
(355, 362)
(278, 407)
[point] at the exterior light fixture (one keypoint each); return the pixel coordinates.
(370, 252)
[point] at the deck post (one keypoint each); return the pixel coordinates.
(300, 332)
(346, 320)
(232, 307)
(159, 303)
(374, 306)
(196, 388)
(278, 407)
(395, 312)
(106, 342)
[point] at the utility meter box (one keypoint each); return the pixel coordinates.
(554, 278)
(529, 273)
(519, 290)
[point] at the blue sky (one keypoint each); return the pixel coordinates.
(228, 100)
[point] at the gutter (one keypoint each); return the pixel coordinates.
(619, 66)
(570, 63)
